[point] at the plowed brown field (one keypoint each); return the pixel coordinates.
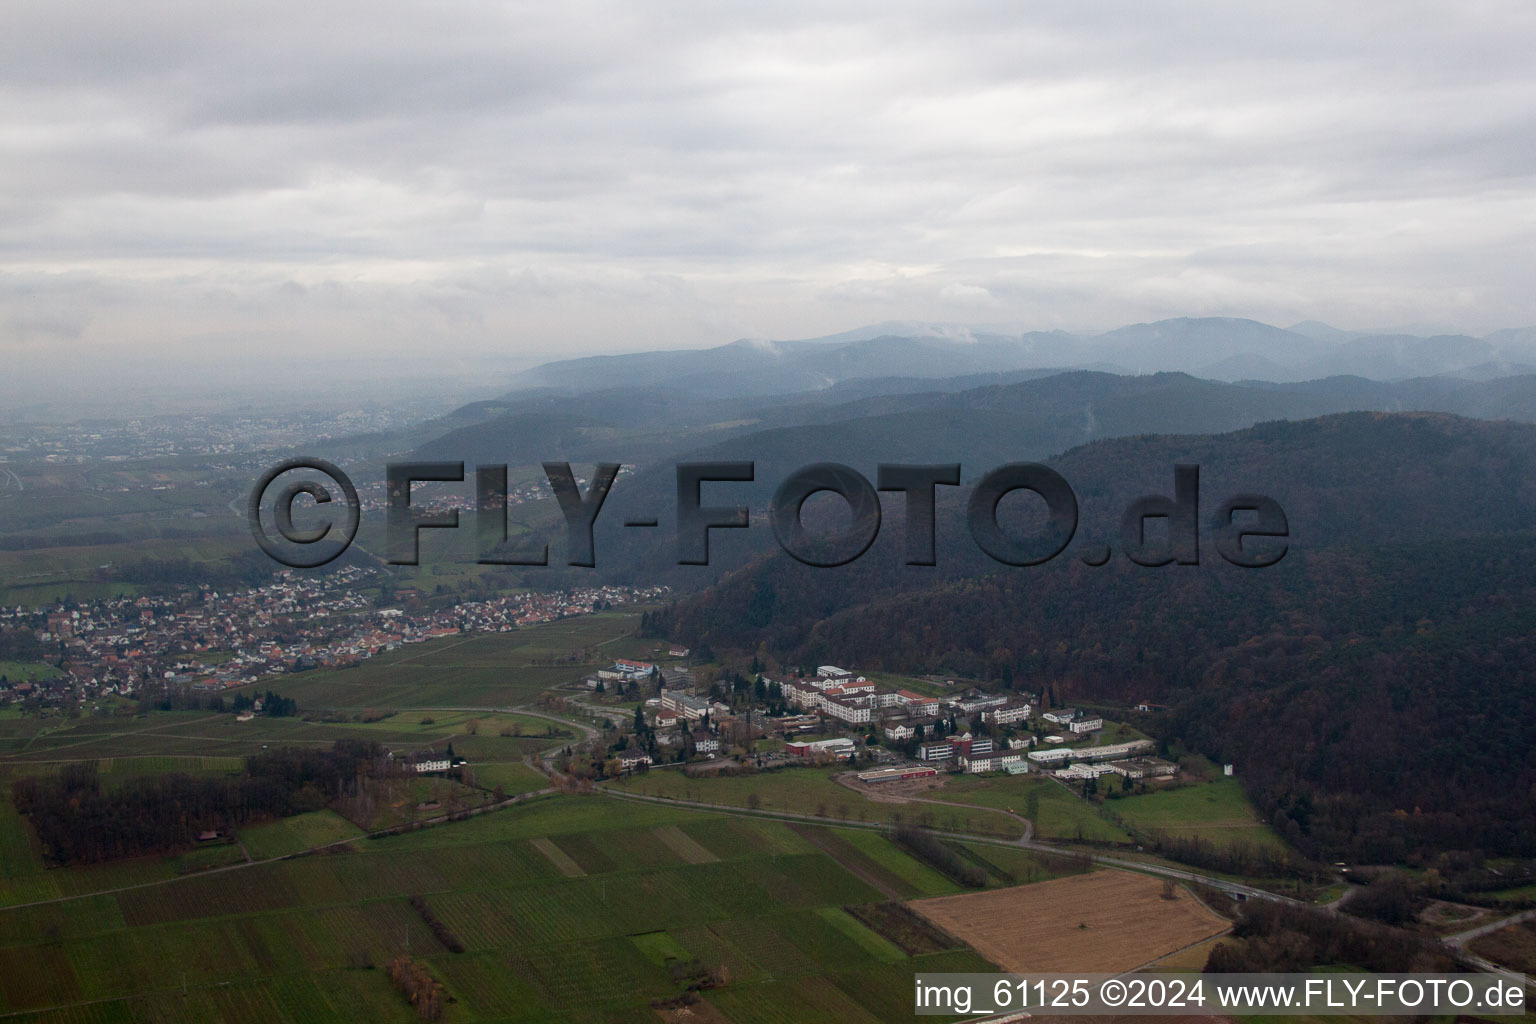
(1104, 921)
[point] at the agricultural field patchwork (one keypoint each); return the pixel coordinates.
(663, 894)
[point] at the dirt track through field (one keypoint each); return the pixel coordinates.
(558, 857)
(854, 861)
(682, 844)
(1108, 921)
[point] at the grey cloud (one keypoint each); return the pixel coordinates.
(538, 177)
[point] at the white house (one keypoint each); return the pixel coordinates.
(633, 758)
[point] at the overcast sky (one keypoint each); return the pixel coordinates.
(192, 184)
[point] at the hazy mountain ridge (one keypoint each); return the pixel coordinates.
(1223, 348)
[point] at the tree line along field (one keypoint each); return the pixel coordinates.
(293, 940)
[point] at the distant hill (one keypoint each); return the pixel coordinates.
(746, 368)
(985, 427)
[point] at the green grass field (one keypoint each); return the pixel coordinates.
(1217, 811)
(295, 834)
(511, 777)
(27, 671)
(1520, 893)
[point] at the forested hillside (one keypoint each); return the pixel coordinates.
(1377, 687)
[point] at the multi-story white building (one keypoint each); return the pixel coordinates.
(846, 710)
(685, 704)
(1009, 713)
(1084, 771)
(976, 764)
(917, 703)
(977, 701)
(1144, 768)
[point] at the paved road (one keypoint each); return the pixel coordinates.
(1460, 939)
